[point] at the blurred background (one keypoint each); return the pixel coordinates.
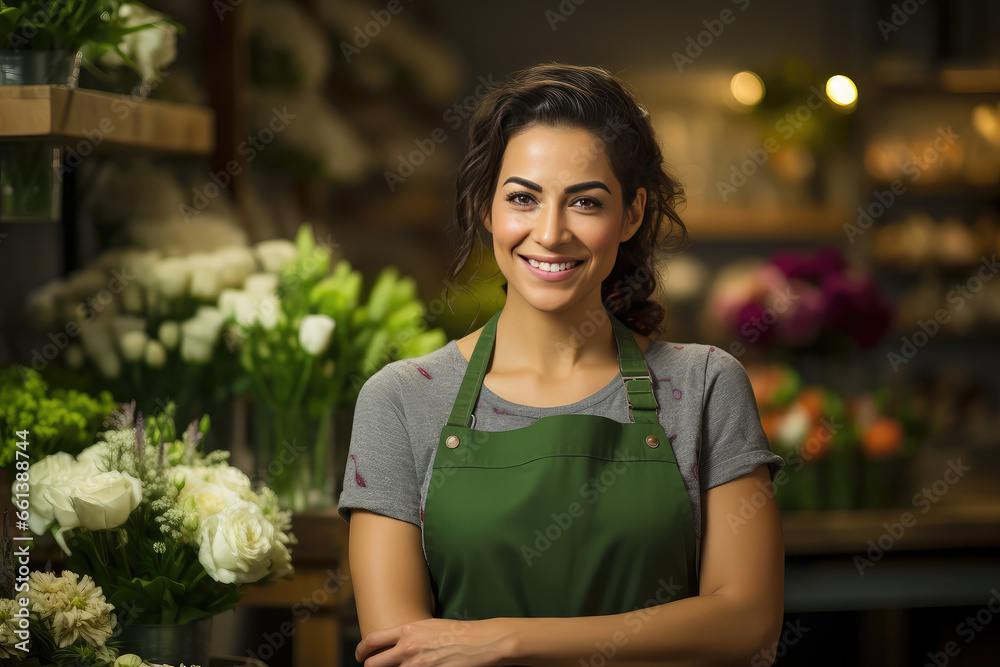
(266, 160)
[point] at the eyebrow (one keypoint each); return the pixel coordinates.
(570, 189)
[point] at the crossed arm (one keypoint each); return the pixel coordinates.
(735, 618)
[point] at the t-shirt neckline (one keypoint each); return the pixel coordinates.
(503, 405)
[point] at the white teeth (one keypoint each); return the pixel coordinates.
(552, 268)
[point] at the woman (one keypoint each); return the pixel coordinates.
(556, 487)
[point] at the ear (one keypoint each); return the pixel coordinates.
(633, 215)
(488, 221)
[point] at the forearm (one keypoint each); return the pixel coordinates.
(702, 630)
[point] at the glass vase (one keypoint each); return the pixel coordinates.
(295, 453)
(189, 644)
(30, 183)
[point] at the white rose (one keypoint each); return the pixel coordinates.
(236, 544)
(56, 469)
(232, 479)
(275, 254)
(133, 345)
(209, 498)
(315, 332)
(281, 560)
(169, 334)
(95, 457)
(155, 354)
(102, 501)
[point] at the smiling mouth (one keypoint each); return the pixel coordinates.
(553, 267)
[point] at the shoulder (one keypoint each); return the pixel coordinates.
(411, 377)
(700, 366)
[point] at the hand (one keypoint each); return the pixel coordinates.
(437, 641)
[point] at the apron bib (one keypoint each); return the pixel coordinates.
(574, 515)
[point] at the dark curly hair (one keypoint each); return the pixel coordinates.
(593, 99)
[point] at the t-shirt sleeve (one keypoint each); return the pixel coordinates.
(381, 474)
(733, 440)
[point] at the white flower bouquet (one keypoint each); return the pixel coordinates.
(164, 529)
(308, 342)
(57, 620)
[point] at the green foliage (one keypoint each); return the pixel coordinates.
(56, 420)
(91, 26)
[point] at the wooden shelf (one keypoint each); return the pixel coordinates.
(961, 526)
(105, 121)
(776, 223)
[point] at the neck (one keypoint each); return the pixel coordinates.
(554, 344)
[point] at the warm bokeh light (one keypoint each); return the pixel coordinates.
(748, 88)
(842, 90)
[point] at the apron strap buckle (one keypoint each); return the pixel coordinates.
(640, 394)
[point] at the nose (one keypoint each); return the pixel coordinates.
(551, 227)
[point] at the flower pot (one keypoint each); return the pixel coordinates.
(30, 189)
(171, 644)
(39, 68)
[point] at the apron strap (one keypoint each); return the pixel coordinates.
(643, 408)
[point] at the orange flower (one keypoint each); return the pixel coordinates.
(882, 439)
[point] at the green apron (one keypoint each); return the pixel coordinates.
(574, 515)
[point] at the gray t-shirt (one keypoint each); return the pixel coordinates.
(707, 409)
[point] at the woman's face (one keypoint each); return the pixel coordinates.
(557, 217)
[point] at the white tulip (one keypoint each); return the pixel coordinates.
(261, 284)
(268, 311)
(275, 255)
(236, 544)
(122, 324)
(227, 301)
(169, 334)
(133, 345)
(213, 319)
(172, 275)
(206, 281)
(315, 332)
(236, 263)
(155, 354)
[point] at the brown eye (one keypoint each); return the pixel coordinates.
(587, 203)
(521, 199)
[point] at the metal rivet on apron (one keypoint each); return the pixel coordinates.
(452, 441)
(652, 441)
